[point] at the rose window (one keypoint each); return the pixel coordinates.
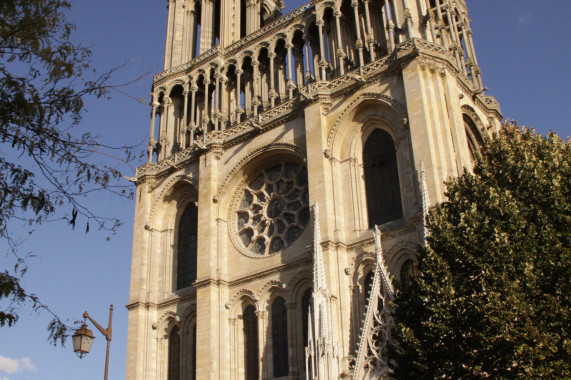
(273, 210)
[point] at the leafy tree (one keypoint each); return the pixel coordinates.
(493, 297)
(46, 167)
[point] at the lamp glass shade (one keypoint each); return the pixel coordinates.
(82, 341)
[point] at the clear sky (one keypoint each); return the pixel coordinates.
(523, 47)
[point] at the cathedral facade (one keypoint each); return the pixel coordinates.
(256, 117)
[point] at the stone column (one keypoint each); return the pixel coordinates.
(170, 29)
(193, 90)
(163, 139)
(359, 42)
(238, 94)
(431, 22)
(290, 63)
(256, 85)
(453, 34)
(216, 102)
(206, 117)
(340, 53)
(192, 34)
(322, 60)
(307, 67)
(390, 27)
(271, 69)
(369, 36)
(152, 140)
(262, 325)
(185, 116)
(408, 19)
(223, 98)
(207, 32)
(470, 45)
(252, 18)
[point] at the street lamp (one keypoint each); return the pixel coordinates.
(83, 338)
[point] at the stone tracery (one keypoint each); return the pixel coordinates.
(273, 210)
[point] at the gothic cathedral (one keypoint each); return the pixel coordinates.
(256, 118)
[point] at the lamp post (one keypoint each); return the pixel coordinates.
(83, 338)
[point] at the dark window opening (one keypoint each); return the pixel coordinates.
(381, 179)
(174, 355)
(187, 233)
(279, 338)
(251, 343)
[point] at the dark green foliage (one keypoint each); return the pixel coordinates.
(493, 299)
(44, 166)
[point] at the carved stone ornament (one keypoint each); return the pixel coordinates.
(272, 210)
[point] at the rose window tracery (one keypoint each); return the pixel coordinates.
(273, 210)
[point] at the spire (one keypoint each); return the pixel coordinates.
(371, 360)
(425, 201)
(322, 352)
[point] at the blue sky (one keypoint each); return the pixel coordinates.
(523, 47)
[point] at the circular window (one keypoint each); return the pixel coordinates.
(273, 209)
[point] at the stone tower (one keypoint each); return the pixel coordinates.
(256, 117)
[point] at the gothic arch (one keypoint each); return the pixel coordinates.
(394, 115)
(166, 321)
(237, 301)
(270, 290)
(365, 114)
(481, 129)
(298, 284)
(167, 189)
(397, 255)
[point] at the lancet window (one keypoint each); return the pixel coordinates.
(305, 302)
(250, 343)
(187, 248)
(473, 137)
(174, 354)
(381, 179)
(279, 338)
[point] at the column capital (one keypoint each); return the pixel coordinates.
(261, 314)
(239, 71)
(271, 55)
(289, 45)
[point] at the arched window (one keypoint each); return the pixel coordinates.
(250, 343)
(187, 231)
(381, 178)
(475, 141)
(279, 338)
(305, 300)
(408, 273)
(174, 354)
